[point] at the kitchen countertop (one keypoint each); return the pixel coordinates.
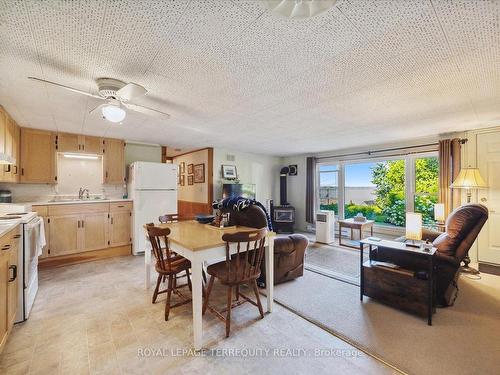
(6, 227)
(78, 201)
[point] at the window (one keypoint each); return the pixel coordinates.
(376, 190)
(329, 187)
(381, 189)
(426, 187)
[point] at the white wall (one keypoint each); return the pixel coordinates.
(198, 192)
(261, 170)
(73, 174)
(142, 152)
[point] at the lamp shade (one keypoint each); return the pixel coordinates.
(469, 178)
(413, 226)
(439, 212)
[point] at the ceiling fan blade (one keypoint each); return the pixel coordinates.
(96, 109)
(67, 88)
(146, 110)
(131, 91)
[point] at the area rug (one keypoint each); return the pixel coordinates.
(464, 338)
(333, 258)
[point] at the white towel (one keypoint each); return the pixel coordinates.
(41, 237)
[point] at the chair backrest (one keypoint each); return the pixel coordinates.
(169, 218)
(462, 228)
(245, 263)
(159, 242)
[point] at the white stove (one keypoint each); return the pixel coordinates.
(29, 250)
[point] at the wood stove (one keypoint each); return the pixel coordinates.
(284, 214)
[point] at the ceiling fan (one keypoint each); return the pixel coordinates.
(117, 95)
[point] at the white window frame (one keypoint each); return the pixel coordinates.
(409, 183)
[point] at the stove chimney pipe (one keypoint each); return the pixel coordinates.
(283, 193)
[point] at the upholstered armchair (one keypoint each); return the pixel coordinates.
(288, 251)
(462, 228)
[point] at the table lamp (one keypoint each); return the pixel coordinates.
(468, 179)
(413, 229)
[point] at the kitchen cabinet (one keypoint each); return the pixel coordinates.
(9, 145)
(91, 145)
(94, 229)
(64, 234)
(9, 247)
(37, 156)
(120, 224)
(114, 161)
(85, 227)
(66, 142)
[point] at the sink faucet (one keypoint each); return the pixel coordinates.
(83, 191)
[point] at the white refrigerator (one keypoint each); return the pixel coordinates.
(153, 188)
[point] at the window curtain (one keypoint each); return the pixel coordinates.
(310, 177)
(449, 167)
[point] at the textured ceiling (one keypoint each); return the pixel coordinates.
(234, 75)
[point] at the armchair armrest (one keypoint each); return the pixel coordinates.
(429, 234)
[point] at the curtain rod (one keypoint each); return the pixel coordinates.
(377, 151)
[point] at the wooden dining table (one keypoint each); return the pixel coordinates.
(202, 244)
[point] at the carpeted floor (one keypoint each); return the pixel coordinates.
(464, 338)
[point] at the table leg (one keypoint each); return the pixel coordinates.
(430, 293)
(361, 278)
(270, 273)
(371, 230)
(197, 285)
(340, 234)
(147, 267)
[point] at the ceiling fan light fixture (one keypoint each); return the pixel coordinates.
(113, 113)
(299, 8)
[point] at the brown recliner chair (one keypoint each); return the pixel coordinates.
(462, 228)
(288, 251)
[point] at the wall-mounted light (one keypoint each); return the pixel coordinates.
(81, 156)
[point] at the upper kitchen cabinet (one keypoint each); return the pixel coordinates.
(114, 161)
(66, 142)
(37, 156)
(9, 147)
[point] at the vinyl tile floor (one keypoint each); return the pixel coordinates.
(97, 318)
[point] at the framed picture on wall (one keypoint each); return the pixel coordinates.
(182, 181)
(199, 173)
(182, 167)
(190, 168)
(229, 172)
(190, 179)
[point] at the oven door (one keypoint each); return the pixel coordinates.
(31, 237)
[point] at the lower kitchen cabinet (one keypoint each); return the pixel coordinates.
(94, 229)
(64, 234)
(9, 250)
(73, 229)
(119, 228)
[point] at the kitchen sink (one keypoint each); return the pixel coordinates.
(56, 200)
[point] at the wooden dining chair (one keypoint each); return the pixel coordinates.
(168, 265)
(169, 218)
(243, 267)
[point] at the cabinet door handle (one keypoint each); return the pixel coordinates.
(14, 274)
(22, 171)
(120, 206)
(78, 223)
(6, 247)
(17, 236)
(15, 166)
